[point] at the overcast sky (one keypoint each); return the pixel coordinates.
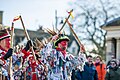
(33, 12)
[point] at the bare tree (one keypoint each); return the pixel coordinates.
(90, 15)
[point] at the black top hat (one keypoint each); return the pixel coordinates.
(62, 37)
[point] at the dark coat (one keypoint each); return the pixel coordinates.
(76, 75)
(89, 72)
(113, 74)
(73, 75)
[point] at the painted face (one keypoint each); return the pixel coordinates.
(31, 58)
(63, 45)
(5, 43)
(7, 40)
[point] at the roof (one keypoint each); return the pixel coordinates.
(114, 22)
(40, 34)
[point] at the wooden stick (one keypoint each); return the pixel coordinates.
(28, 38)
(26, 33)
(74, 34)
(65, 21)
(11, 45)
(61, 27)
(0, 72)
(24, 75)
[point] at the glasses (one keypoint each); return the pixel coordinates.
(112, 63)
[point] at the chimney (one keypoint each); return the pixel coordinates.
(1, 17)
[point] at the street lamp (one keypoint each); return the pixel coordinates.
(58, 20)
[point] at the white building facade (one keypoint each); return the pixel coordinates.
(112, 39)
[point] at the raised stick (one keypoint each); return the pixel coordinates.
(65, 21)
(28, 38)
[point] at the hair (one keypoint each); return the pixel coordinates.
(99, 58)
(114, 61)
(89, 56)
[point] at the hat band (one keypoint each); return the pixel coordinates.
(4, 36)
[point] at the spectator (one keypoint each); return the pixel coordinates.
(89, 72)
(113, 72)
(112, 58)
(100, 67)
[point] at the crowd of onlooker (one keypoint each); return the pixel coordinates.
(97, 69)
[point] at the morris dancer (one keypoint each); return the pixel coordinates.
(59, 58)
(5, 51)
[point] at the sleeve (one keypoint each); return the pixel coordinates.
(28, 45)
(73, 75)
(26, 53)
(107, 76)
(48, 48)
(96, 75)
(82, 57)
(78, 75)
(104, 70)
(8, 54)
(69, 57)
